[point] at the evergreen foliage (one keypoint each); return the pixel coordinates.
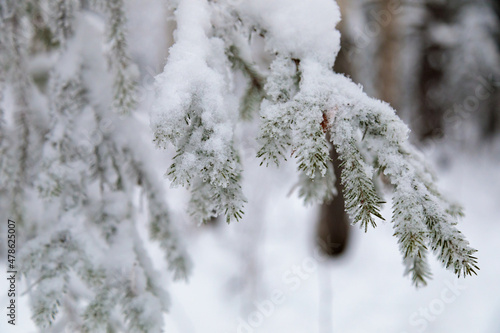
(70, 152)
(71, 147)
(304, 102)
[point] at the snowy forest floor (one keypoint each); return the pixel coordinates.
(238, 269)
(263, 274)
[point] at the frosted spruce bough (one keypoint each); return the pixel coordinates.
(302, 104)
(70, 171)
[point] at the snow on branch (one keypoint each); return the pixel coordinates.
(74, 170)
(422, 217)
(303, 104)
(194, 112)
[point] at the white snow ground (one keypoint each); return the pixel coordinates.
(361, 292)
(263, 274)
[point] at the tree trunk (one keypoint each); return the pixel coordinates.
(333, 226)
(388, 54)
(432, 70)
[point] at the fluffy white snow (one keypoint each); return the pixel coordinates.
(238, 268)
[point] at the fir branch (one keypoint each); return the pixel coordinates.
(51, 262)
(311, 148)
(124, 87)
(418, 268)
(97, 313)
(254, 94)
(63, 19)
(161, 230)
(421, 215)
(275, 135)
(317, 190)
(161, 226)
(412, 235)
(361, 199)
(209, 200)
